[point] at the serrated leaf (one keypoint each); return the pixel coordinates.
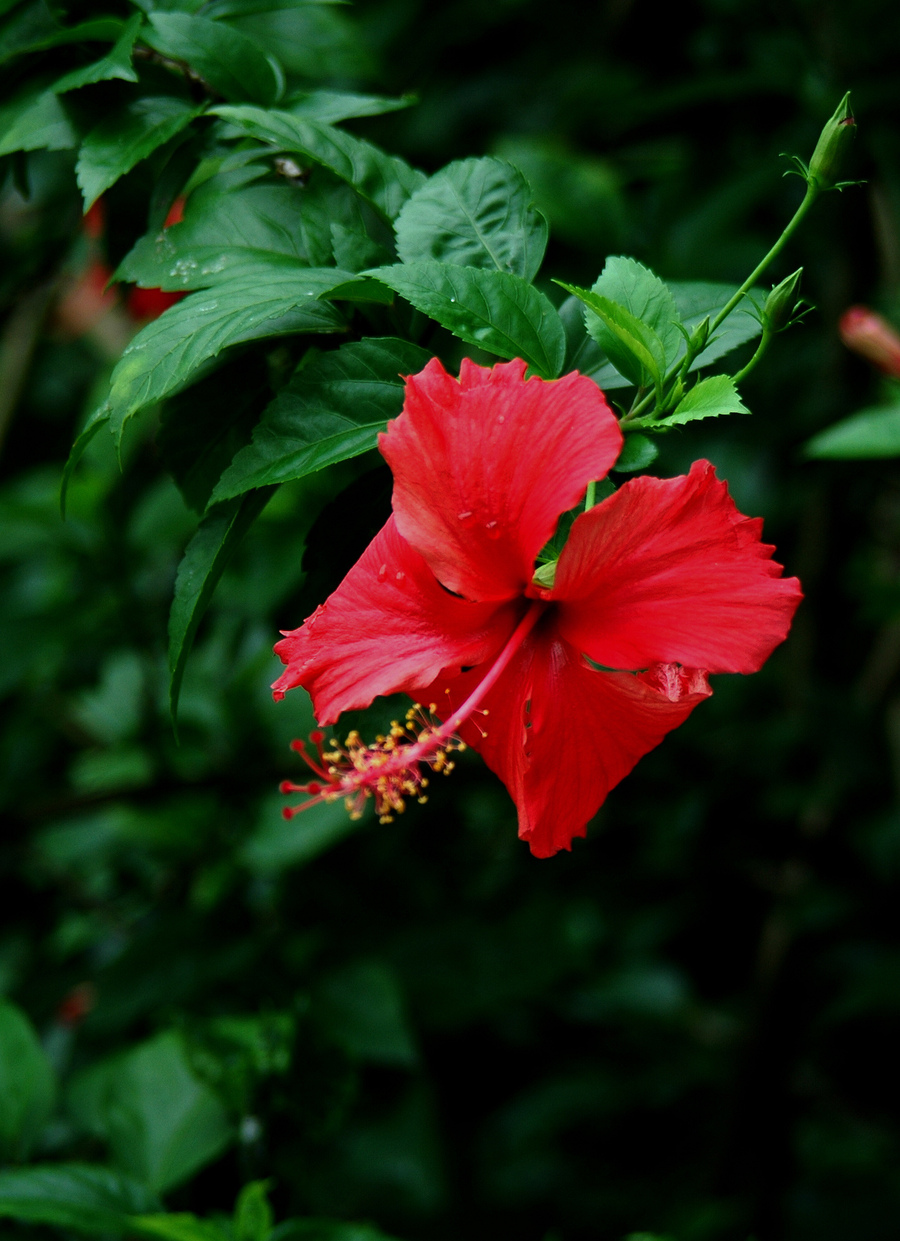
(122, 140)
(633, 286)
(177, 1227)
(710, 398)
(871, 434)
(115, 64)
(34, 120)
(202, 565)
(164, 355)
(27, 1084)
(633, 348)
(386, 181)
(332, 107)
(698, 299)
(161, 1122)
(231, 62)
(332, 409)
(474, 213)
(200, 430)
(493, 310)
(92, 1200)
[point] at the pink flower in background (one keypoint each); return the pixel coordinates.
(868, 334)
(560, 687)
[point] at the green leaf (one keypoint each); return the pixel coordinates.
(253, 1218)
(361, 1005)
(332, 409)
(634, 349)
(123, 139)
(177, 1227)
(475, 213)
(93, 1200)
(231, 62)
(870, 434)
(203, 564)
(386, 181)
(637, 453)
(115, 64)
(202, 428)
(698, 299)
(332, 107)
(27, 1085)
(35, 119)
(493, 310)
(631, 285)
(97, 419)
(161, 1122)
(710, 398)
(165, 355)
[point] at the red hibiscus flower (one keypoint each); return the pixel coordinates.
(561, 688)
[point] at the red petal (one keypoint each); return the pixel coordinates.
(389, 626)
(668, 571)
(484, 466)
(560, 734)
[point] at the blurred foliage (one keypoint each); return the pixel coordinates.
(688, 1025)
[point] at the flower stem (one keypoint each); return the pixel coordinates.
(760, 350)
(812, 193)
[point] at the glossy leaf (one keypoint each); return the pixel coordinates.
(332, 107)
(633, 348)
(230, 61)
(332, 409)
(115, 64)
(81, 1197)
(202, 428)
(161, 1122)
(637, 453)
(327, 1230)
(869, 435)
(203, 564)
(27, 1085)
(475, 213)
(710, 398)
(123, 139)
(631, 285)
(386, 181)
(167, 353)
(490, 309)
(33, 120)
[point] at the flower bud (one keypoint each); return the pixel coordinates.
(699, 337)
(831, 149)
(781, 303)
(866, 333)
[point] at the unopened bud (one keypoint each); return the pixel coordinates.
(831, 149)
(866, 333)
(699, 337)
(782, 303)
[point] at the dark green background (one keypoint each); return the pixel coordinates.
(690, 1024)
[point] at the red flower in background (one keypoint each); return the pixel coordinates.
(562, 688)
(868, 334)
